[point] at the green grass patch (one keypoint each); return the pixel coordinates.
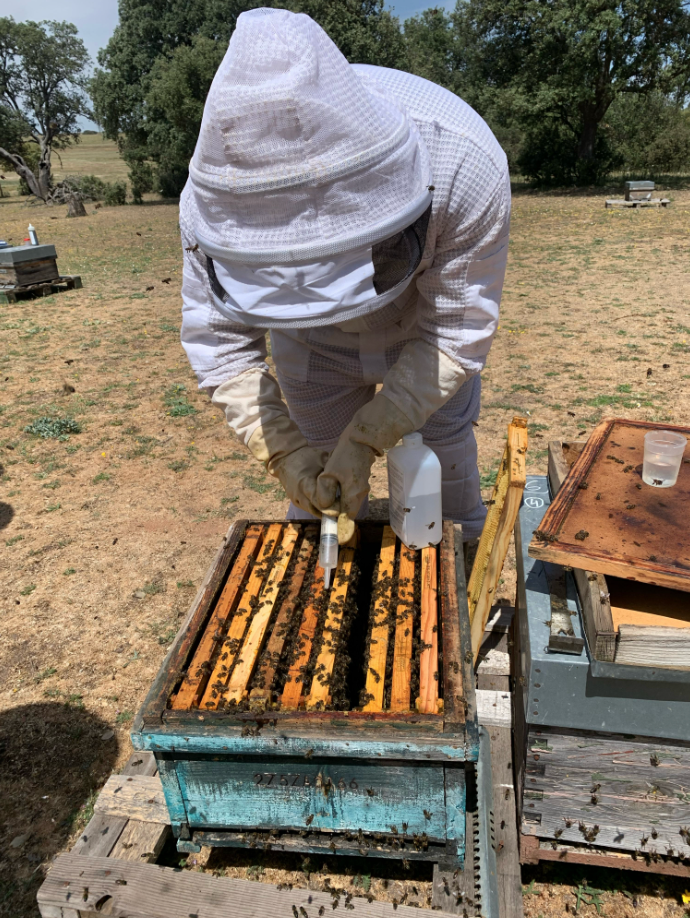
(14, 540)
(102, 476)
(53, 428)
(28, 590)
(488, 477)
(257, 484)
(176, 402)
(46, 674)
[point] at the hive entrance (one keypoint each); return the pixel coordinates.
(275, 639)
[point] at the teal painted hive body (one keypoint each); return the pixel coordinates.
(303, 719)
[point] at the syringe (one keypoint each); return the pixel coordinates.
(328, 547)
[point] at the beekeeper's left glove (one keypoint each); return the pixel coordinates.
(258, 415)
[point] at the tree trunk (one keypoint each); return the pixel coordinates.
(23, 170)
(588, 139)
(76, 206)
(45, 175)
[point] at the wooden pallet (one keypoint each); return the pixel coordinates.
(619, 202)
(64, 282)
(112, 868)
(533, 850)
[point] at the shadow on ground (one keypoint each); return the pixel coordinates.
(6, 515)
(53, 757)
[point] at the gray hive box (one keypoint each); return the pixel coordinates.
(21, 265)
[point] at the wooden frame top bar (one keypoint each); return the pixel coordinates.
(161, 715)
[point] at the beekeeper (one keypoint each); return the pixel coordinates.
(361, 215)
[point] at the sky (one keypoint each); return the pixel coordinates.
(96, 19)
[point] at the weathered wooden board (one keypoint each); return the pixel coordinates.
(623, 793)
(29, 272)
(533, 850)
(237, 793)
(605, 519)
(149, 891)
(505, 823)
(141, 841)
(494, 709)
(135, 797)
(649, 645)
(104, 829)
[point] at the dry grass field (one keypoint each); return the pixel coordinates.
(107, 532)
(93, 155)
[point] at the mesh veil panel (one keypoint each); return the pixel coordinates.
(397, 258)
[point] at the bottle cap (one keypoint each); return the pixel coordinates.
(412, 439)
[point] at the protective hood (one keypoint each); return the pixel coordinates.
(300, 158)
(332, 290)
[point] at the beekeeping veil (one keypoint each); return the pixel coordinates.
(310, 187)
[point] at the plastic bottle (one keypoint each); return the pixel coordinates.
(328, 547)
(33, 236)
(414, 491)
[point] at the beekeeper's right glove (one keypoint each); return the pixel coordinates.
(258, 415)
(421, 380)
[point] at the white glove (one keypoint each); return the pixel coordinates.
(258, 415)
(418, 384)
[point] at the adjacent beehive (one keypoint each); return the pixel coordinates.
(286, 707)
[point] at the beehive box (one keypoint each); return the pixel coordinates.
(307, 718)
(27, 264)
(601, 748)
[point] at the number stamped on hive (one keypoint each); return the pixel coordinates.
(275, 779)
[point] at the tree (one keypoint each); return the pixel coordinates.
(651, 133)
(42, 95)
(158, 66)
(433, 49)
(363, 30)
(134, 92)
(562, 63)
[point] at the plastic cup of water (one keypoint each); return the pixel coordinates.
(663, 454)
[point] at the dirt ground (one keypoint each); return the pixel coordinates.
(107, 532)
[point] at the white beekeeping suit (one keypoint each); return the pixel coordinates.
(361, 215)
